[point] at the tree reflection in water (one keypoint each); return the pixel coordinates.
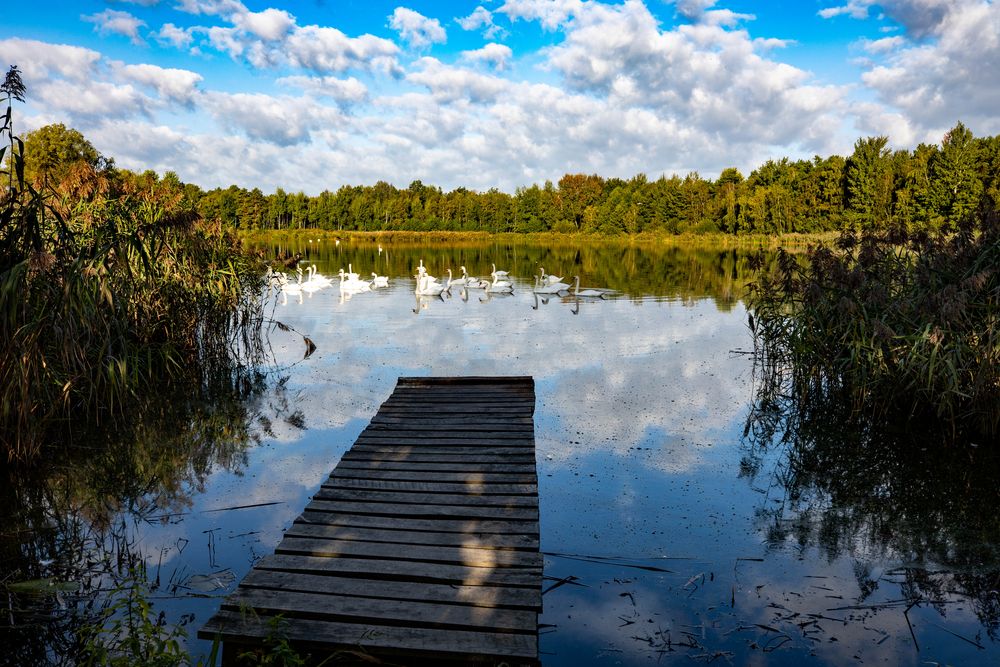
(68, 530)
(880, 495)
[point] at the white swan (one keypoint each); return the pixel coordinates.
(347, 284)
(542, 287)
(587, 293)
(428, 286)
(379, 281)
(498, 274)
(319, 278)
(499, 287)
(296, 287)
(550, 279)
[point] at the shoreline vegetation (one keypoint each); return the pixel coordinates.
(113, 290)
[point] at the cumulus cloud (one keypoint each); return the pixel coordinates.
(455, 83)
(329, 50)
(172, 85)
(180, 38)
(418, 30)
(551, 14)
(345, 91)
(954, 74)
(481, 18)
(114, 22)
(270, 24)
(693, 9)
(41, 60)
(493, 54)
(284, 120)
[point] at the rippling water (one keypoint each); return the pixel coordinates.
(666, 534)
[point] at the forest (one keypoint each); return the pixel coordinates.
(932, 187)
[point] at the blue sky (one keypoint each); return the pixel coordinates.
(316, 94)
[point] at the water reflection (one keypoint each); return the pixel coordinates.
(672, 534)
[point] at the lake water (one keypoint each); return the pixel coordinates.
(668, 533)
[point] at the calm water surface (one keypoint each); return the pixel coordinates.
(668, 536)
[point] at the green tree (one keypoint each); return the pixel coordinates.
(50, 152)
(868, 182)
(955, 184)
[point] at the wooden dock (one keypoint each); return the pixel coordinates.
(422, 545)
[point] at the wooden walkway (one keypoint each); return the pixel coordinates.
(423, 542)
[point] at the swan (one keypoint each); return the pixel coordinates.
(587, 293)
(459, 282)
(428, 286)
(550, 279)
(542, 287)
(498, 274)
(347, 284)
(499, 286)
(296, 287)
(379, 281)
(319, 278)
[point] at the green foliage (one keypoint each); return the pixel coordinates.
(903, 326)
(110, 285)
(51, 151)
(129, 632)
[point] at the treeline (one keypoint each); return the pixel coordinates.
(930, 187)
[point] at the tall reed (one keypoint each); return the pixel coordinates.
(112, 287)
(903, 326)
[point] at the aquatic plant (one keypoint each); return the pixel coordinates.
(901, 326)
(112, 286)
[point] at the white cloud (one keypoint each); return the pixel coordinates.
(39, 61)
(857, 9)
(493, 54)
(418, 30)
(173, 85)
(347, 91)
(93, 100)
(552, 14)
(953, 76)
(114, 22)
(481, 18)
(329, 50)
(270, 24)
(883, 45)
(693, 9)
(279, 120)
(180, 38)
(455, 83)
(212, 7)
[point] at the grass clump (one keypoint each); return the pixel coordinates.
(901, 326)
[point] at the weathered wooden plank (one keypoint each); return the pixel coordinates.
(368, 534)
(426, 498)
(475, 596)
(418, 511)
(432, 486)
(470, 467)
(400, 431)
(433, 440)
(398, 570)
(462, 555)
(464, 380)
(446, 410)
(232, 625)
(442, 477)
(439, 455)
(468, 525)
(358, 609)
(449, 428)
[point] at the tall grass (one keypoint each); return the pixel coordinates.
(112, 287)
(901, 326)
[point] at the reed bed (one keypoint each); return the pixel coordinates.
(112, 288)
(902, 327)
